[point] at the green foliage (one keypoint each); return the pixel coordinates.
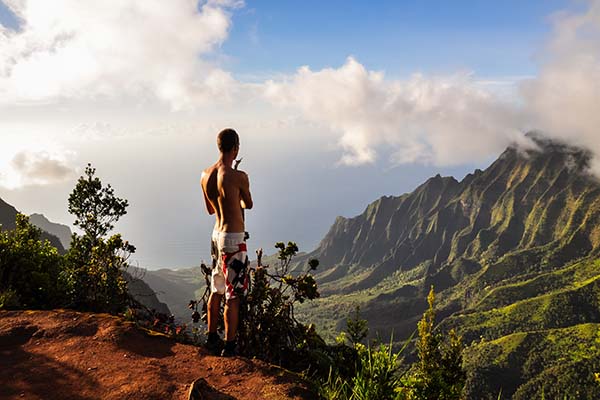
(89, 277)
(357, 327)
(95, 207)
(29, 268)
(438, 373)
(378, 376)
(94, 267)
(557, 362)
(268, 328)
(94, 274)
(9, 299)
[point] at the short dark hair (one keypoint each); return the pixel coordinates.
(227, 139)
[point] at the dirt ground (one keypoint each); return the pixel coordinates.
(62, 354)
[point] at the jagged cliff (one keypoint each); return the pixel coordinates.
(524, 200)
(511, 252)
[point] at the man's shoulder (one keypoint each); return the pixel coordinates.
(210, 170)
(241, 173)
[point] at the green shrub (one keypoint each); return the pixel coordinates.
(93, 275)
(357, 327)
(94, 264)
(29, 268)
(379, 374)
(438, 373)
(9, 300)
(268, 328)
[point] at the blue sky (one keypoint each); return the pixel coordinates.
(491, 38)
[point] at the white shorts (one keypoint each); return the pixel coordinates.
(230, 264)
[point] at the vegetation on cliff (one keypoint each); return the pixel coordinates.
(510, 250)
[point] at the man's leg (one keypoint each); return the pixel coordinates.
(214, 305)
(232, 314)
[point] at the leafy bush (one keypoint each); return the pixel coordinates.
(379, 373)
(29, 268)
(378, 376)
(268, 328)
(93, 274)
(438, 373)
(89, 277)
(94, 267)
(357, 327)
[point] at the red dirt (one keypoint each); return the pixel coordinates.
(63, 354)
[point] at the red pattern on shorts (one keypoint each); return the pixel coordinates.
(227, 260)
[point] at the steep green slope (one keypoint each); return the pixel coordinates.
(568, 304)
(509, 250)
(560, 363)
(524, 200)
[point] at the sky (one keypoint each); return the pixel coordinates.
(336, 103)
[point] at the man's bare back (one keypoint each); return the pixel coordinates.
(226, 192)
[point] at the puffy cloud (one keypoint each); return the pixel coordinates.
(440, 120)
(75, 49)
(564, 99)
(36, 168)
(457, 119)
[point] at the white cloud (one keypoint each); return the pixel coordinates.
(564, 99)
(460, 118)
(36, 168)
(139, 49)
(80, 49)
(440, 120)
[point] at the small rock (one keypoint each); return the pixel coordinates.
(92, 368)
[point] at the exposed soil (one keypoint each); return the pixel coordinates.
(62, 354)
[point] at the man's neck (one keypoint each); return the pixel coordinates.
(227, 159)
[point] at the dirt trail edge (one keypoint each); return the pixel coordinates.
(63, 354)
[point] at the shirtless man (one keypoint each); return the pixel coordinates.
(226, 194)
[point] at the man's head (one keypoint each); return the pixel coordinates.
(228, 141)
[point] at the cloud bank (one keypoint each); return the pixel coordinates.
(439, 120)
(77, 49)
(151, 48)
(36, 168)
(564, 99)
(455, 119)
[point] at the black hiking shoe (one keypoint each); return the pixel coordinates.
(229, 350)
(214, 344)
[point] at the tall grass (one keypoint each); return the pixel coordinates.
(379, 375)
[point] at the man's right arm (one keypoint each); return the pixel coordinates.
(245, 196)
(209, 208)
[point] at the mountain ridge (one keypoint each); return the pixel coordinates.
(507, 249)
(61, 231)
(8, 215)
